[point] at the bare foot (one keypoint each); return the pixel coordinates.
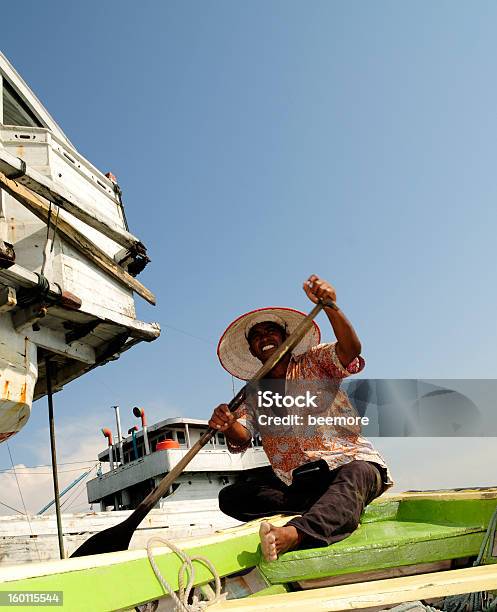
(277, 540)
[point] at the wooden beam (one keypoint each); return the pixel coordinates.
(44, 186)
(54, 341)
(22, 277)
(136, 328)
(67, 373)
(389, 572)
(85, 246)
(370, 594)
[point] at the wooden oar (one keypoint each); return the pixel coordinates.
(118, 537)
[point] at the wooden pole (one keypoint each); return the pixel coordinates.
(48, 369)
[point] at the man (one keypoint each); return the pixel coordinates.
(326, 473)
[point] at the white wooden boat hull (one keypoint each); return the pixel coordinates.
(23, 541)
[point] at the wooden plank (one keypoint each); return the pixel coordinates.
(136, 328)
(44, 186)
(66, 374)
(228, 539)
(22, 277)
(444, 494)
(393, 572)
(87, 248)
(370, 594)
(55, 341)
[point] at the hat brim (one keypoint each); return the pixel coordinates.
(233, 348)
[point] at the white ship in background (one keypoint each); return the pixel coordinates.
(137, 463)
(67, 260)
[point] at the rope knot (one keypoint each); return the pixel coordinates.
(186, 570)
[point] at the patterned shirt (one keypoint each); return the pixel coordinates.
(319, 372)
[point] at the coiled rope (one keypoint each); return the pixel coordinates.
(181, 599)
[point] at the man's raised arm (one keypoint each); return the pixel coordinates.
(348, 344)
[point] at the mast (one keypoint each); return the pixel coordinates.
(119, 436)
(48, 369)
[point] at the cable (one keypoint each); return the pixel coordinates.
(11, 508)
(182, 331)
(24, 467)
(74, 496)
(23, 504)
(78, 488)
(10, 473)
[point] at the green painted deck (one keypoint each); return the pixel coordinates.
(413, 528)
(391, 535)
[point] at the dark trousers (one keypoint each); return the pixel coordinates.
(330, 505)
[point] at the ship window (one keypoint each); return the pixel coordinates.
(15, 110)
(181, 437)
(221, 439)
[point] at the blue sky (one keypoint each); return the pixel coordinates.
(259, 142)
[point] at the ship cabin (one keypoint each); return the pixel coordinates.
(143, 458)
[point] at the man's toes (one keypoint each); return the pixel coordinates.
(268, 542)
(264, 529)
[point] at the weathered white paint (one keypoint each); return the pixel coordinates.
(57, 170)
(91, 254)
(85, 211)
(20, 572)
(381, 593)
(55, 342)
(34, 540)
(21, 277)
(18, 376)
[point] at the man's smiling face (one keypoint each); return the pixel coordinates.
(264, 339)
